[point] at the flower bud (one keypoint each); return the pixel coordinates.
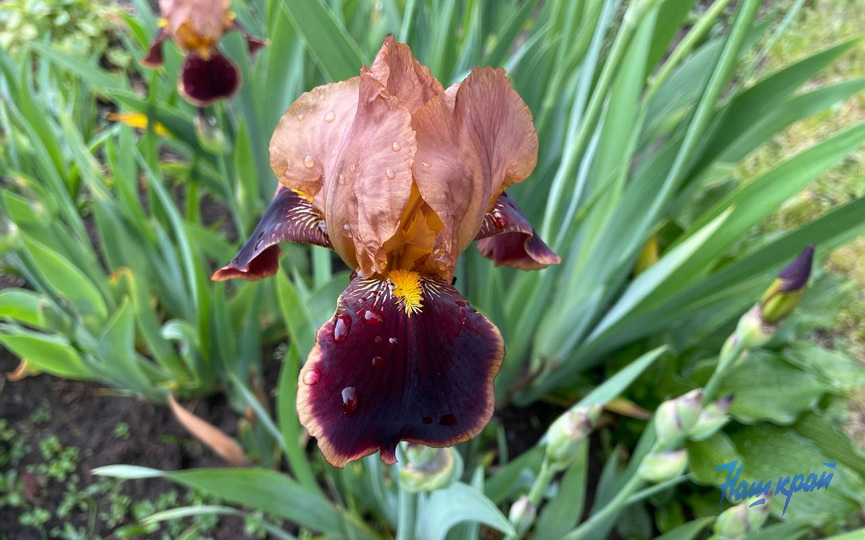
(209, 136)
(569, 431)
(522, 513)
(736, 522)
(782, 297)
(676, 416)
(662, 466)
(428, 469)
(712, 418)
(752, 332)
(10, 236)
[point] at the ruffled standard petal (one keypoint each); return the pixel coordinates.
(509, 239)
(289, 218)
(381, 372)
(203, 81)
(196, 24)
(404, 77)
(369, 188)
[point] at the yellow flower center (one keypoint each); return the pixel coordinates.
(407, 289)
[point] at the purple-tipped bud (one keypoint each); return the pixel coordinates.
(429, 469)
(736, 522)
(662, 466)
(569, 431)
(782, 297)
(712, 418)
(677, 416)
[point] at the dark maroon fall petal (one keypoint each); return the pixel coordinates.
(204, 81)
(154, 52)
(509, 239)
(377, 376)
(289, 218)
(253, 42)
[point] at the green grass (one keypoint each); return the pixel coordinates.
(820, 24)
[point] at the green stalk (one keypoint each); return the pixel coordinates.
(697, 32)
(615, 505)
(731, 352)
(407, 515)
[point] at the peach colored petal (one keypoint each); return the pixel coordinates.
(474, 140)
(450, 179)
(370, 184)
(196, 23)
(499, 124)
(304, 144)
(403, 76)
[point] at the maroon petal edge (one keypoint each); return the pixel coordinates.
(377, 376)
(509, 239)
(154, 51)
(203, 81)
(288, 218)
(253, 42)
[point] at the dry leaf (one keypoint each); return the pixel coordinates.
(216, 439)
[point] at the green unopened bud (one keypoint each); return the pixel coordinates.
(209, 136)
(568, 433)
(736, 522)
(782, 297)
(428, 469)
(10, 236)
(676, 416)
(712, 418)
(662, 466)
(752, 332)
(522, 513)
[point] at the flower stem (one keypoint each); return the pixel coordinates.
(731, 352)
(405, 524)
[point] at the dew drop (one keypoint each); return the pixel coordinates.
(347, 229)
(329, 116)
(341, 328)
(341, 179)
(448, 420)
(349, 399)
(390, 174)
(308, 162)
(425, 163)
(311, 377)
(353, 167)
(377, 361)
(378, 339)
(258, 241)
(392, 341)
(396, 147)
(300, 118)
(500, 220)
(372, 317)
(427, 420)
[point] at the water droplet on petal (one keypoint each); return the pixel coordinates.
(258, 241)
(425, 163)
(349, 399)
(341, 179)
(300, 117)
(500, 220)
(347, 229)
(396, 147)
(329, 116)
(353, 167)
(308, 162)
(392, 341)
(377, 361)
(427, 420)
(377, 339)
(448, 420)
(372, 317)
(311, 377)
(341, 328)
(390, 174)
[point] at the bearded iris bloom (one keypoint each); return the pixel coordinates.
(399, 176)
(197, 26)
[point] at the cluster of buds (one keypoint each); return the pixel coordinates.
(738, 521)
(428, 469)
(567, 434)
(757, 326)
(711, 419)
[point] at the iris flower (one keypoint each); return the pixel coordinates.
(399, 176)
(197, 26)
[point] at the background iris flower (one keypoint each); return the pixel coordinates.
(399, 176)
